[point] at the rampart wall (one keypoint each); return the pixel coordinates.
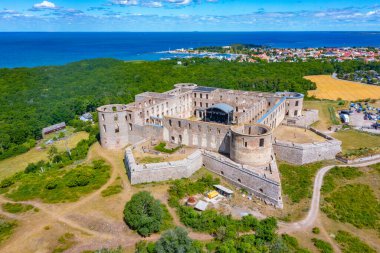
(303, 153)
(256, 183)
(155, 172)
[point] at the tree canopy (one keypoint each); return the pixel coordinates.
(144, 214)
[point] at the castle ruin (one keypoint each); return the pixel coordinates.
(231, 129)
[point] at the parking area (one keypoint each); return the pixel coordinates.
(363, 116)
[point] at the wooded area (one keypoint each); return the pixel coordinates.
(33, 98)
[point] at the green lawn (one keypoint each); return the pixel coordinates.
(327, 112)
(353, 140)
(297, 181)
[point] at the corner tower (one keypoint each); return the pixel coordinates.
(294, 103)
(251, 144)
(113, 126)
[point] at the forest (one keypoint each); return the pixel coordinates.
(33, 98)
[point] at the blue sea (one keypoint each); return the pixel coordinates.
(40, 49)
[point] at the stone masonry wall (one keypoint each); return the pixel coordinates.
(155, 172)
(297, 153)
(258, 184)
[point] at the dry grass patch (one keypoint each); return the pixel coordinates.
(330, 88)
(296, 135)
(18, 163)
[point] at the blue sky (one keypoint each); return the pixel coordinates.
(189, 15)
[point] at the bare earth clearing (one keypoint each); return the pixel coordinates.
(296, 135)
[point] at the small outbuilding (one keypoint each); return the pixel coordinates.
(53, 128)
(223, 190)
(201, 205)
(86, 117)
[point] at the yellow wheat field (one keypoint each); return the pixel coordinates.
(330, 88)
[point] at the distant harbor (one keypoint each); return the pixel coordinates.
(245, 53)
(25, 50)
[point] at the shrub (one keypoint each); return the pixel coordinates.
(324, 247)
(6, 228)
(174, 240)
(316, 230)
(16, 207)
(5, 183)
(112, 190)
(144, 214)
(78, 177)
(51, 185)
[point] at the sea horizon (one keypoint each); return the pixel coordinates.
(32, 49)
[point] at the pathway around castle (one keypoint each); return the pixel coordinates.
(62, 213)
(312, 215)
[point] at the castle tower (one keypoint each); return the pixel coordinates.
(294, 103)
(113, 126)
(251, 144)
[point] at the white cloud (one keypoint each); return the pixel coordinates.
(125, 2)
(45, 5)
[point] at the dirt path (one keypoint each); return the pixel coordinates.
(312, 215)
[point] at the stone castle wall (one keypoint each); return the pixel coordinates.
(256, 183)
(303, 153)
(249, 178)
(156, 172)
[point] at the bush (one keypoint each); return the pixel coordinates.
(173, 241)
(51, 185)
(78, 177)
(144, 214)
(6, 228)
(5, 183)
(324, 247)
(352, 244)
(316, 230)
(112, 190)
(16, 207)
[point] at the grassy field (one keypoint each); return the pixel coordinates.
(330, 88)
(18, 163)
(352, 244)
(297, 181)
(57, 185)
(327, 112)
(352, 139)
(351, 196)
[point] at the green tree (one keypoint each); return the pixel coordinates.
(175, 241)
(143, 213)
